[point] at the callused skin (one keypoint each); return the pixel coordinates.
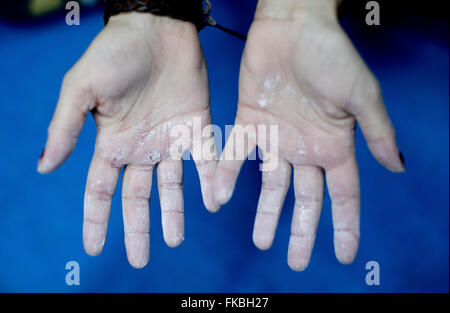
(141, 75)
(301, 72)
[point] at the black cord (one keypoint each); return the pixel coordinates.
(207, 8)
(230, 31)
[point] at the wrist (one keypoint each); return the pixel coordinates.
(152, 25)
(160, 35)
(296, 9)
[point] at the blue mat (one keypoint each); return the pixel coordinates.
(405, 218)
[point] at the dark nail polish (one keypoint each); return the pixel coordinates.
(402, 158)
(42, 154)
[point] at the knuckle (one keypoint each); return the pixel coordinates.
(171, 185)
(302, 234)
(352, 230)
(94, 221)
(176, 211)
(136, 231)
(342, 198)
(135, 197)
(100, 190)
(136, 192)
(101, 195)
(308, 202)
(272, 185)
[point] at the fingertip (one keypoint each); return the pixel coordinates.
(93, 245)
(206, 173)
(388, 155)
(213, 208)
(346, 246)
(93, 239)
(48, 163)
(262, 242)
(209, 201)
(223, 194)
(44, 166)
(92, 250)
(223, 184)
(174, 241)
(299, 252)
(345, 258)
(139, 261)
(264, 230)
(398, 165)
(298, 265)
(138, 265)
(137, 245)
(397, 168)
(40, 169)
(60, 144)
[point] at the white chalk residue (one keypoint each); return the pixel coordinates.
(154, 156)
(188, 122)
(142, 141)
(117, 157)
(268, 95)
(263, 102)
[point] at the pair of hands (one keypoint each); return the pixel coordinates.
(143, 74)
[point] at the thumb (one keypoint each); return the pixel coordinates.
(371, 115)
(73, 105)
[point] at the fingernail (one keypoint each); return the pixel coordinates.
(40, 167)
(42, 154)
(402, 159)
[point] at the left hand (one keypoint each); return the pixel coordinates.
(301, 73)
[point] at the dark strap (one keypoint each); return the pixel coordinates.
(194, 11)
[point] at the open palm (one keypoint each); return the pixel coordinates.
(306, 77)
(141, 76)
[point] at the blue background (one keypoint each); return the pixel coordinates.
(405, 218)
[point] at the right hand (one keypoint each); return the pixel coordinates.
(300, 72)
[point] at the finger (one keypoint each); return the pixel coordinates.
(231, 160)
(136, 189)
(343, 186)
(308, 186)
(206, 171)
(66, 125)
(206, 162)
(100, 186)
(377, 128)
(170, 185)
(273, 191)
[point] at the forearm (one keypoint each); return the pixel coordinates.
(295, 9)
